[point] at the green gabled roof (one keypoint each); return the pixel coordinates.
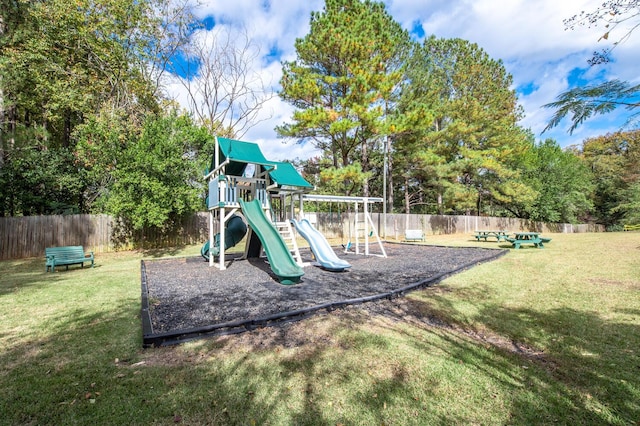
(285, 174)
(241, 153)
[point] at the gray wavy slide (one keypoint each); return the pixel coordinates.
(320, 247)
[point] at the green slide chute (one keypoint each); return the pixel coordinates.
(235, 229)
(280, 259)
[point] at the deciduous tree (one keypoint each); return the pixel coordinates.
(226, 91)
(562, 182)
(615, 162)
(159, 175)
(64, 64)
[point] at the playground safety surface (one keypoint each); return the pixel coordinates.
(185, 298)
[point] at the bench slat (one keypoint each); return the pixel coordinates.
(67, 255)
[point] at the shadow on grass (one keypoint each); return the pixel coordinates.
(581, 367)
(86, 367)
(155, 253)
(597, 359)
(53, 373)
(20, 274)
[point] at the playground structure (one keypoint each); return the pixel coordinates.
(242, 181)
(363, 227)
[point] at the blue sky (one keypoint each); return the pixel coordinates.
(529, 37)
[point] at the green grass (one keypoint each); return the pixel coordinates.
(549, 336)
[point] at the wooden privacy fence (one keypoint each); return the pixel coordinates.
(341, 225)
(28, 236)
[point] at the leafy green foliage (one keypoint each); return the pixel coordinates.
(84, 128)
(62, 60)
(581, 103)
(159, 174)
(614, 160)
(460, 128)
(100, 141)
(80, 74)
(562, 183)
(630, 205)
(39, 181)
(347, 180)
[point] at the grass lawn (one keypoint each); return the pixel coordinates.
(539, 336)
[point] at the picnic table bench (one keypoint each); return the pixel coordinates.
(527, 238)
(499, 235)
(67, 255)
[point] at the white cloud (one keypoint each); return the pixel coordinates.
(528, 36)
(537, 50)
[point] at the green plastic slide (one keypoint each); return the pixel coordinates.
(280, 259)
(235, 230)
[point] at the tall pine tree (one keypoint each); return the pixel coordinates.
(462, 130)
(347, 73)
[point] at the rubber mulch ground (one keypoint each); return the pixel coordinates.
(185, 298)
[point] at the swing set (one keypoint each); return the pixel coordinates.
(363, 231)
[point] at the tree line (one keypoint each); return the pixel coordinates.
(439, 120)
(86, 126)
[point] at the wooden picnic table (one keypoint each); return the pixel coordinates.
(498, 235)
(528, 238)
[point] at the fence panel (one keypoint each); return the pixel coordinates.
(23, 237)
(28, 236)
(341, 226)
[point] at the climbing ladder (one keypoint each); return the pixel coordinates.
(286, 231)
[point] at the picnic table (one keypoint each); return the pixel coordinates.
(499, 235)
(534, 238)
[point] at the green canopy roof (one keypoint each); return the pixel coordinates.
(241, 153)
(285, 174)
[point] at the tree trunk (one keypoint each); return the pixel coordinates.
(389, 199)
(365, 167)
(2, 111)
(407, 204)
(66, 138)
(2, 123)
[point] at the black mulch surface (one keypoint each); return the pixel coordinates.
(185, 298)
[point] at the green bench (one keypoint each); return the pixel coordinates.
(69, 255)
